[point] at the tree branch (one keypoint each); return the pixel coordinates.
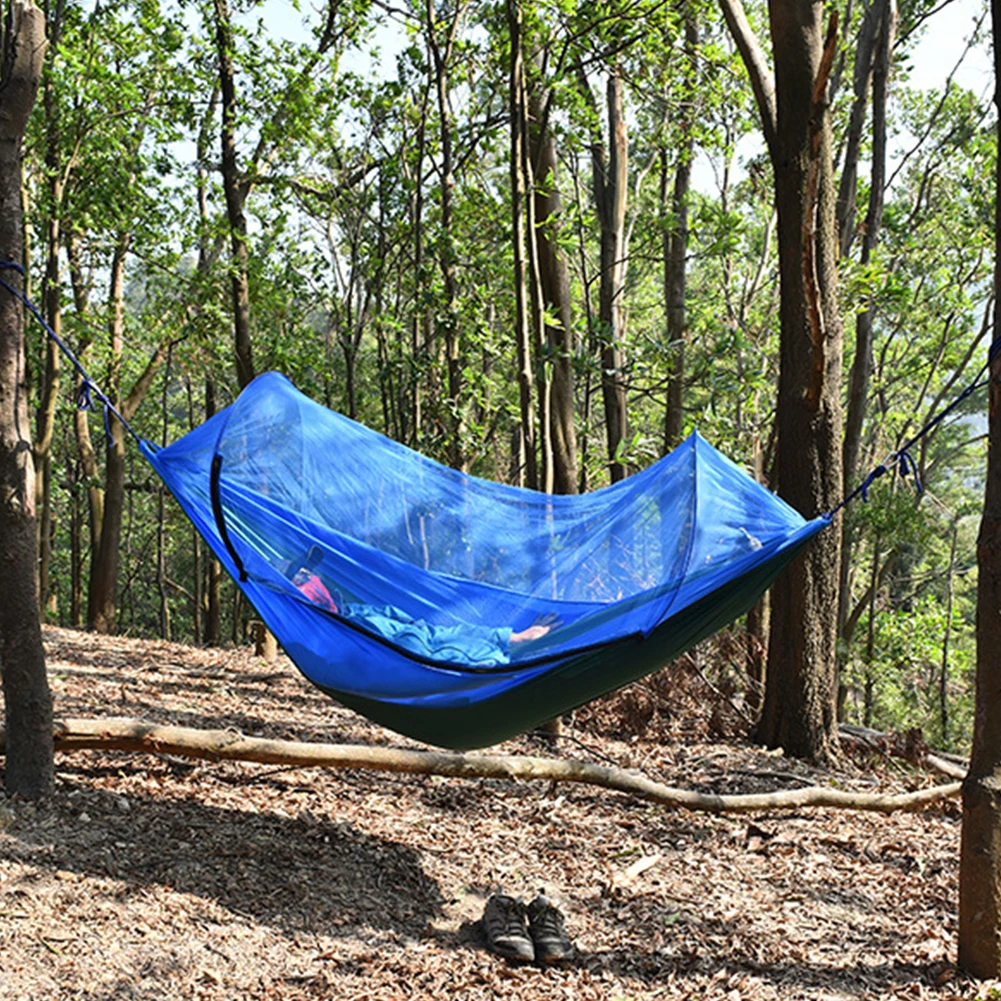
(762, 80)
(229, 745)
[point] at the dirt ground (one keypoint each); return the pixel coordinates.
(157, 877)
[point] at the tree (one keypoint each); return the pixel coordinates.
(674, 208)
(28, 701)
(980, 851)
(800, 707)
(554, 281)
(236, 196)
(520, 215)
(609, 181)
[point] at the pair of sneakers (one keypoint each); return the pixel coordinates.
(526, 932)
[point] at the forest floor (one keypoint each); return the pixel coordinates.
(158, 877)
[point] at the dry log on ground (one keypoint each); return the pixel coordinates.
(230, 745)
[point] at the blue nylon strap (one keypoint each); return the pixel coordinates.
(870, 479)
(995, 349)
(906, 464)
(902, 459)
(84, 395)
(88, 389)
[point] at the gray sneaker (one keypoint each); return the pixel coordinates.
(547, 927)
(505, 922)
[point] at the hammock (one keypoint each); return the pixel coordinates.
(394, 583)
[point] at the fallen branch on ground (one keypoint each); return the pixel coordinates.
(897, 745)
(229, 745)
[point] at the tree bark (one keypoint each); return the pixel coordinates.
(800, 707)
(554, 281)
(610, 194)
(448, 323)
(861, 369)
(27, 698)
(102, 598)
(675, 281)
(980, 850)
(875, 51)
(229, 745)
(235, 198)
(81, 426)
(527, 469)
(675, 245)
(212, 635)
(52, 305)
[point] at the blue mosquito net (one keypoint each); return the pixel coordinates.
(393, 580)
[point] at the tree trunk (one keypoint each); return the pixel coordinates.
(27, 698)
(212, 635)
(527, 469)
(265, 644)
(554, 282)
(875, 52)
(610, 192)
(876, 46)
(161, 522)
(755, 658)
(52, 304)
(103, 594)
(48, 398)
(943, 681)
(675, 246)
(800, 707)
(859, 376)
(76, 551)
(448, 320)
(233, 189)
(980, 851)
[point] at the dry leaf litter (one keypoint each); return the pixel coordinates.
(159, 877)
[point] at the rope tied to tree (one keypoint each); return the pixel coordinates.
(901, 460)
(87, 390)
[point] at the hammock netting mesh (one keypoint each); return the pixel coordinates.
(395, 583)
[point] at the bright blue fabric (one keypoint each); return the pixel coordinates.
(404, 538)
(468, 643)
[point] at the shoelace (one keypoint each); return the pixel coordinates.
(515, 916)
(548, 919)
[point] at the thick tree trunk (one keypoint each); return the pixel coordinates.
(800, 707)
(27, 699)
(980, 852)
